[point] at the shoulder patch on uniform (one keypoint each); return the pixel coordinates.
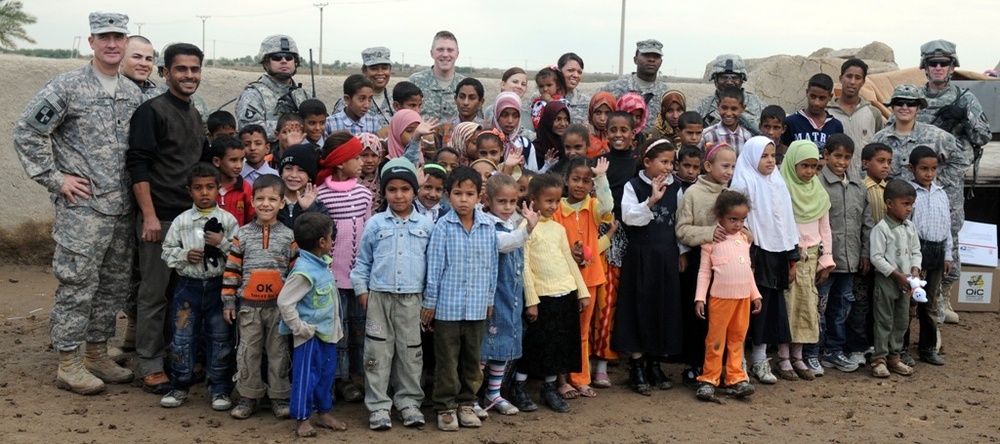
(44, 116)
(250, 114)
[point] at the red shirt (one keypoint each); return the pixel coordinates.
(236, 200)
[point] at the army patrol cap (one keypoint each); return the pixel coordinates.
(937, 48)
(907, 91)
(729, 64)
(276, 43)
(650, 46)
(378, 55)
(105, 22)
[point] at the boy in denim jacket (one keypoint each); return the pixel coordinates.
(388, 277)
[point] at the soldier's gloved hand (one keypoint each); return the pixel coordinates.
(952, 114)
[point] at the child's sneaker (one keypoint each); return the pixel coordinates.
(174, 398)
(907, 359)
(814, 366)
(281, 409)
(742, 389)
(840, 362)
(762, 371)
(221, 402)
(857, 358)
(467, 417)
(244, 409)
(480, 412)
(879, 370)
(411, 416)
(379, 420)
(447, 421)
(503, 406)
(706, 392)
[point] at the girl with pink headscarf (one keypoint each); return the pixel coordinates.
(633, 104)
(507, 120)
(405, 130)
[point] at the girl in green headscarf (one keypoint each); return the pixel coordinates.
(810, 207)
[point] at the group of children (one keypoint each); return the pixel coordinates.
(448, 272)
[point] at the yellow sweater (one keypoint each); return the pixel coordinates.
(696, 220)
(549, 268)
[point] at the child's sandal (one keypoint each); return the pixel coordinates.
(788, 375)
(804, 373)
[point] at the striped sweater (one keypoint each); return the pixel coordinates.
(349, 204)
(258, 262)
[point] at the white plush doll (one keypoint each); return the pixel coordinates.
(917, 289)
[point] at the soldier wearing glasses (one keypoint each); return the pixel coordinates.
(274, 93)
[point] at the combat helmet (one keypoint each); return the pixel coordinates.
(937, 48)
(277, 43)
(729, 64)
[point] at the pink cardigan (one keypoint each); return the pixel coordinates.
(729, 262)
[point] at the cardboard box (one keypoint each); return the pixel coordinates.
(977, 244)
(977, 290)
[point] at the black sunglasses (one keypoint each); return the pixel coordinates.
(906, 102)
(938, 63)
(279, 56)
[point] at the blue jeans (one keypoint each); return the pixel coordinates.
(198, 319)
(838, 291)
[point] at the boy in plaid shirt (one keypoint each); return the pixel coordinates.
(461, 279)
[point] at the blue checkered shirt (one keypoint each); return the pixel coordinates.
(368, 123)
(461, 268)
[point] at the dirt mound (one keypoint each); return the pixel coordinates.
(781, 79)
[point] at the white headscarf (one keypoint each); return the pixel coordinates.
(771, 219)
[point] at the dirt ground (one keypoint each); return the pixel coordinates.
(955, 403)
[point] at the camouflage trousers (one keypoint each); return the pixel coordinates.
(956, 200)
(92, 263)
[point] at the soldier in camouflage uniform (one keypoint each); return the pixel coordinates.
(958, 112)
(438, 83)
(138, 65)
(377, 66)
(729, 71)
(904, 132)
(71, 139)
(274, 93)
(648, 58)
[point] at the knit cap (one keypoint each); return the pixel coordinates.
(399, 168)
(304, 156)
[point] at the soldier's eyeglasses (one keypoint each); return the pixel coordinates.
(906, 102)
(279, 56)
(938, 63)
(729, 77)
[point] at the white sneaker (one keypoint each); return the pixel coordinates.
(857, 358)
(221, 403)
(762, 371)
(173, 398)
(480, 412)
(814, 366)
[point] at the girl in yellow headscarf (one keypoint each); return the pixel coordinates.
(810, 207)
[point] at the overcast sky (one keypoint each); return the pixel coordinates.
(534, 33)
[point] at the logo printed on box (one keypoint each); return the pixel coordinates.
(976, 288)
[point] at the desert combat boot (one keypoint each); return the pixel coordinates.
(73, 377)
(97, 362)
